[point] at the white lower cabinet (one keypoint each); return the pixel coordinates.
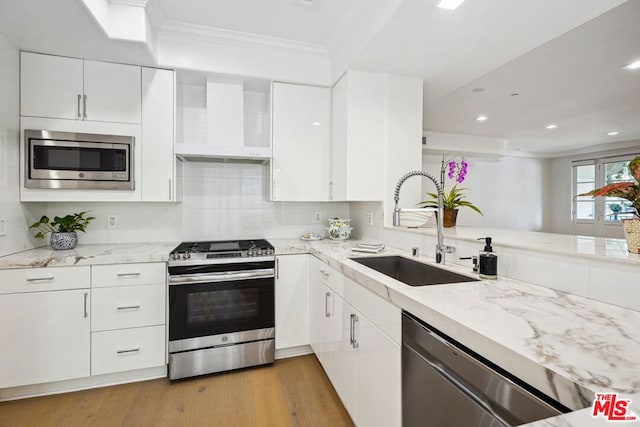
(127, 349)
(292, 300)
(128, 317)
(44, 336)
(361, 361)
(68, 323)
(127, 307)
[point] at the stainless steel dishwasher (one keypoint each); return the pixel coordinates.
(445, 384)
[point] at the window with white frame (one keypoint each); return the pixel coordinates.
(596, 173)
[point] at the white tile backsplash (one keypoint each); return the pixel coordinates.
(220, 201)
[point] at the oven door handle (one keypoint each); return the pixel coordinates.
(225, 276)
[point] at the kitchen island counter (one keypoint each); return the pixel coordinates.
(567, 346)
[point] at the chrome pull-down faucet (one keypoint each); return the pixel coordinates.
(441, 249)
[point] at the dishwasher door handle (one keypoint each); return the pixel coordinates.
(463, 386)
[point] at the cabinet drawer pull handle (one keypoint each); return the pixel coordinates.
(326, 304)
(84, 107)
(86, 312)
(131, 350)
(128, 274)
(353, 341)
(79, 98)
(128, 307)
(40, 279)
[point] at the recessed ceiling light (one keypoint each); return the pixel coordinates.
(613, 133)
(450, 4)
(551, 126)
(633, 66)
(316, 123)
(481, 118)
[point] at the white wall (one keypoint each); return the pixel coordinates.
(560, 206)
(221, 201)
(511, 192)
(16, 216)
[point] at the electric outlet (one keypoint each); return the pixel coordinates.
(3, 227)
(369, 218)
(317, 217)
(112, 221)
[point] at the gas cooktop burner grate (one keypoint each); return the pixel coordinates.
(209, 250)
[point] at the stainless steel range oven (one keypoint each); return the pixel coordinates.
(221, 306)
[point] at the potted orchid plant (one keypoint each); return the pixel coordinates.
(629, 190)
(454, 198)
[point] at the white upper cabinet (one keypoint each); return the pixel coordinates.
(301, 138)
(358, 136)
(112, 92)
(158, 112)
(76, 89)
(51, 86)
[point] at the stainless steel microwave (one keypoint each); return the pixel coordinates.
(78, 160)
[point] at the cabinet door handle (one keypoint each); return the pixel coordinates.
(79, 99)
(40, 279)
(131, 350)
(128, 307)
(128, 274)
(170, 189)
(86, 311)
(326, 304)
(353, 340)
(277, 268)
(84, 107)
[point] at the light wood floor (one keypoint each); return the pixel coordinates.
(291, 392)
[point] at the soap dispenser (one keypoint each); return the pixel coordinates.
(487, 261)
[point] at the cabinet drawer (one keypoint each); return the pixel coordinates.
(127, 307)
(128, 274)
(127, 349)
(44, 279)
(329, 276)
(386, 316)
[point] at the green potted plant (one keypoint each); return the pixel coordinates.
(63, 229)
(454, 198)
(629, 190)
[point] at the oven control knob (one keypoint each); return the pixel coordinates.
(259, 252)
(270, 251)
(225, 338)
(175, 256)
(249, 252)
(186, 255)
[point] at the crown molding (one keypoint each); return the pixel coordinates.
(135, 3)
(236, 38)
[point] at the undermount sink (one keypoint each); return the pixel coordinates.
(411, 272)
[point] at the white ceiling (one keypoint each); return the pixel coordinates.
(563, 58)
(308, 21)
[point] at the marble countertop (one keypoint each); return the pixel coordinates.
(562, 244)
(568, 347)
(91, 254)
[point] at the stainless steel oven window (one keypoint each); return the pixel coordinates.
(222, 306)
